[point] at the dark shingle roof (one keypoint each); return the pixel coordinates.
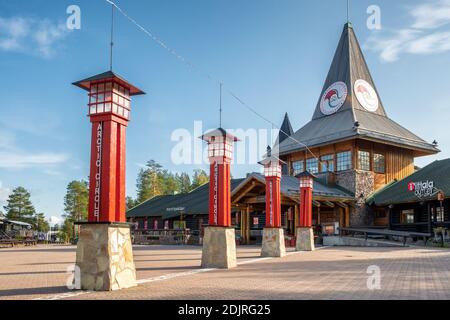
(86, 83)
(397, 193)
(194, 202)
(197, 201)
(349, 65)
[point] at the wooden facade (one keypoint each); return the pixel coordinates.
(398, 162)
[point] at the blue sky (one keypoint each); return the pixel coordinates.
(273, 54)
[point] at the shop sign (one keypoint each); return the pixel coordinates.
(423, 189)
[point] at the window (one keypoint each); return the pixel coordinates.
(379, 163)
(407, 216)
(327, 163)
(298, 167)
(312, 165)
(364, 160)
(344, 161)
(439, 214)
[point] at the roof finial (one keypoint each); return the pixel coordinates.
(112, 38)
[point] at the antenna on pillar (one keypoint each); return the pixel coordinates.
(220, 106)
(112, 38)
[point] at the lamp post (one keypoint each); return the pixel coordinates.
(105, 239)
(273, 235)
(219, 244)
(305, 234)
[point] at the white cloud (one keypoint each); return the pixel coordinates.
(423, 36)
(4, 193)
(54, 220)
(40, 37)
(431, 15)
(18, 160)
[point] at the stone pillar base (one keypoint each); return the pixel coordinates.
(105, 257)
(273, 243)
(219, 248)
(305, 239)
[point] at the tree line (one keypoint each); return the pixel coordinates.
(152, 180)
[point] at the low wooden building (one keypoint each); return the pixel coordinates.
(419, 203)
(332, 205)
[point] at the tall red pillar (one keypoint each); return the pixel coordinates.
(109, 112)
(272, 174)
(220, 152)
(306, 198)
(273, 234)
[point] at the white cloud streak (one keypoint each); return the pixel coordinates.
(4, 193)
(27, 35)
(12, 160)
(423, 37)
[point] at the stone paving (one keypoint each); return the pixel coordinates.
(171, 272)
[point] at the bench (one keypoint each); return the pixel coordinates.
(403, 234)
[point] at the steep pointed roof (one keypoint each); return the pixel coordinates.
(346, 118)
(285, 131)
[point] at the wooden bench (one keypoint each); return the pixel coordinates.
(403, 234)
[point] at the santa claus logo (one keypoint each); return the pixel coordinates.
(366, 95)
(333, 98)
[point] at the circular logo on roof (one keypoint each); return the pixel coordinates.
(333, 98)
(366, 95)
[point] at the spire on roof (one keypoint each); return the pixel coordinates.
(349, 107)
(349, 67)
(285, 131)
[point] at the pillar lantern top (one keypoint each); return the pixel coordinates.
(306, 179)
(104, 77)
(212, 136)
(272, 164)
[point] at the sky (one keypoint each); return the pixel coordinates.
(274, 54)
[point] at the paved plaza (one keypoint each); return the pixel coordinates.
(172, 272)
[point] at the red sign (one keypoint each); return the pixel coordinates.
(145, 224)
(155, 225)
(411, 186)
(255, 221)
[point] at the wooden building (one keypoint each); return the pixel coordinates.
(350, 137)
(418, 203)
(350, 144)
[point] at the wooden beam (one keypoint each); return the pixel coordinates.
(329, 204)
(342, 204)
(316, 203)
(243, 193)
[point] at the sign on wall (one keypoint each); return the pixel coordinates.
(334, 98)
(98, 170)
(423, 189)
(366, 95)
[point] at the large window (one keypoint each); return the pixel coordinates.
(327, 163)
(438, 214)
(364, 160)
(298, 167)
(344, 161)
(312, 165)
(379, 163)
(407, 217)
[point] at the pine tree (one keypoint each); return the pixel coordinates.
(40, 223)
(76, 201)
(149, 182)
(130, 203)
(200, 178)
(184, 182)
(170, 183)
(19, 207)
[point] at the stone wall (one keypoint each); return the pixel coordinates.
(362, 184)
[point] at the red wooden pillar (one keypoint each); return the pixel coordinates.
(220, 151)
(273, 202)
(272, 173)
(109, 112)
(306, 198)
